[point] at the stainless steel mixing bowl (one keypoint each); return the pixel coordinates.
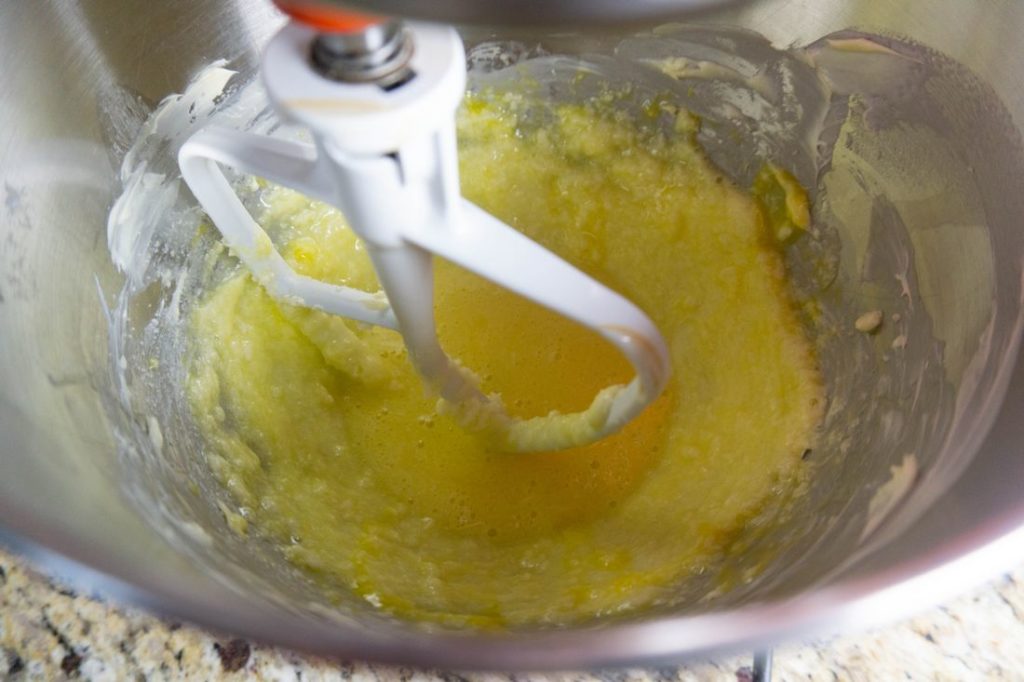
(918, 477)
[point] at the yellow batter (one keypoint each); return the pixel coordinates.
(328, 442)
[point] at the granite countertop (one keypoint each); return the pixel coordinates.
(48, 632)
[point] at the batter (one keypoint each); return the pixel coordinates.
(327, 441)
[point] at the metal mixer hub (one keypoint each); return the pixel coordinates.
(379, 54)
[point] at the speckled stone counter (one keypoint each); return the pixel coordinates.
(49, 632)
